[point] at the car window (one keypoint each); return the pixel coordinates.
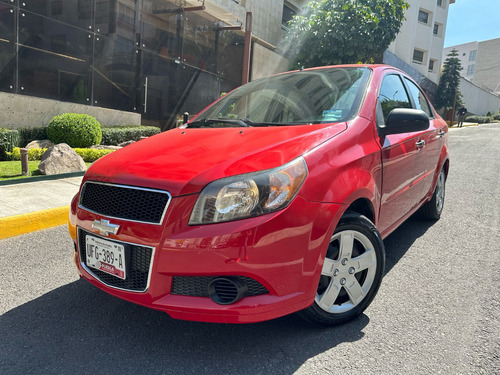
(310, 96)
(419, 98)
(392, 95)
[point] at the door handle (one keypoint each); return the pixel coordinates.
(441, 133)
(420, 144)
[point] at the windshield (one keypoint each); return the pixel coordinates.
(304, 97)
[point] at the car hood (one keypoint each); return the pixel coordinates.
(183, 161)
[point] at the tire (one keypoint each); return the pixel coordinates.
(432, 209)
(352, 272)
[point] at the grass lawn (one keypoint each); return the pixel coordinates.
(12, 169)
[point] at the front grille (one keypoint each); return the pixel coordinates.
(197, 286)
(125, 202)
(138, 261)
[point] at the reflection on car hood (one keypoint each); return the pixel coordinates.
(183, 161)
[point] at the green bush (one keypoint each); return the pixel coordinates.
(118, 134)
(77, 130)
(9, 138)
(478, 119)
(33, 153)
(28, 135)
(90, 155)
(496, 116)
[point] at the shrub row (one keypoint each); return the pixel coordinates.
(11, 138)
(117, 135)
(28, 135)
(479, 119)
(89, 155)
(33, 153)
(8, 140)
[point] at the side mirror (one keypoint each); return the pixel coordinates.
(404, 120)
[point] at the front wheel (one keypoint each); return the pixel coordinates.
(351, 273)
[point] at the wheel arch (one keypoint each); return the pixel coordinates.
(362, 206)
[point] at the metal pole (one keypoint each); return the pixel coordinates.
(453, 110)
(247, 49)
(24, 161)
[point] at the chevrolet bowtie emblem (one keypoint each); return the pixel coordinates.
(105, 227)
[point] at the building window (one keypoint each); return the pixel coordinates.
(126, 16)
(56, 7)
(418, 56)
(435, 31)
(423, 16)
(440, 3)
(84, 10)
(431, 65)
(288, 14)
(471, 69)
(473, 55)
(58, 43)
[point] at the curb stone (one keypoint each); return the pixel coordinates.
(41, 178)
(34, 221)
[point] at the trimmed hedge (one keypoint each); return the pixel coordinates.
(77, 130)
(478, 119)
(119, 134)
(28, 135)
(9, 138)
(496, 116)
(89, 155)
(33, 153)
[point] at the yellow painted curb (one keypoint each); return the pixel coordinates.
(20, 224)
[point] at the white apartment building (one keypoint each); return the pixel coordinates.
(421, 37)
(480, 63)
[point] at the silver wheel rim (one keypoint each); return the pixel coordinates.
(440, 192)
(350, 276)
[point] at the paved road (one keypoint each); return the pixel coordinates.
(438, 309)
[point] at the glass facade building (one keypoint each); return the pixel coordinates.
(145, 56)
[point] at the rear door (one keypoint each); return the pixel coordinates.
(433, 137)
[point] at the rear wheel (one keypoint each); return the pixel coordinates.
(351, 273)
(432, 209)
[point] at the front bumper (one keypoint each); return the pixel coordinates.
(282, 251)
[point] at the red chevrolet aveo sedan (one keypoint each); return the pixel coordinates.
(273, 200)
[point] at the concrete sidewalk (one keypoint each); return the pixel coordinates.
(29, 206)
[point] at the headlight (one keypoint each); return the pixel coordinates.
(249, 195)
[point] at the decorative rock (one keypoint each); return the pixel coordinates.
(44, 143)
(105, 147)
(123, 144)
(61, 159)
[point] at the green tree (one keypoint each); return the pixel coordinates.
(343, 31)
(447, 91)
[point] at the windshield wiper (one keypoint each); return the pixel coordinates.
(210, 122)
(240, 122)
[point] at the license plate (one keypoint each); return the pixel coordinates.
(106, 256)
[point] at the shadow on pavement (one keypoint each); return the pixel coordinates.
(79, 329)
(401, 240)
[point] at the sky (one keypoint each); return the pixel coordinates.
(472, 21)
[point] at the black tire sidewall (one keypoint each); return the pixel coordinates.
(361, 224)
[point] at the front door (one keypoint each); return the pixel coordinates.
(403, 168)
